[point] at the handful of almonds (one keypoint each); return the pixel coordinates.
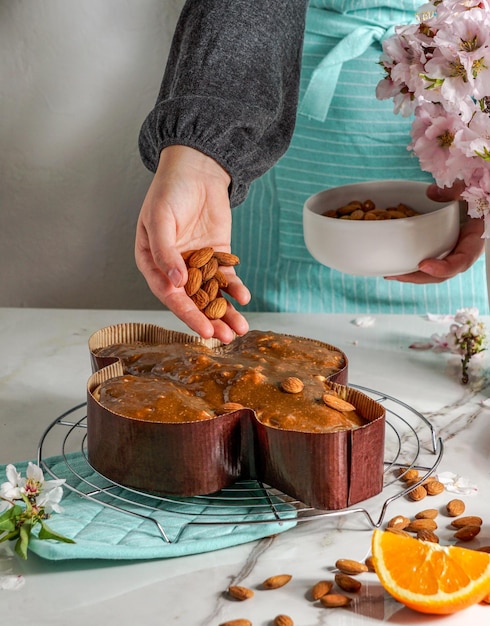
(205, 280)
(367, 210)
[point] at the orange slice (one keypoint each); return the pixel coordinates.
(428, 577)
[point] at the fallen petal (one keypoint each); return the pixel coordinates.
(421, 345)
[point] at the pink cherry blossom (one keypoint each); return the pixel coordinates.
(439, 69)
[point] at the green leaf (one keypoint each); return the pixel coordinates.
(48, 533)
(23, 541)
(10, 536)
(8, 518)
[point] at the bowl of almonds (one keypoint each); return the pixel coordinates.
(378, 228)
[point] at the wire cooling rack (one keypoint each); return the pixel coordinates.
(410, 442)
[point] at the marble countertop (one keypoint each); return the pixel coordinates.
(43, 373)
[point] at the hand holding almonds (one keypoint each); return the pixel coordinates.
(367, 210)
(205, 279)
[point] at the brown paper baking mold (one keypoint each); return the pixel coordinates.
(323, 470)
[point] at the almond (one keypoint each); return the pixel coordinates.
(434, 487)
(418, 524)
(200, 257)
(283, 620)
(468, 520)
(187, 254)
(216, 309)
(209, 270)
(228, 407)
(222, 280)
(237, 622)
(484, 549)
(427, 514)
(398, 531)
(194, 281)
(292, 385)
(321, 588)
(427, 535)
(349, 566)
(417, 493)
(332, 600)
(399, 521)
(408, 474)
(211, 287)
(334, 402)
(274, 582)
(370, 563)
(240, 593)
(226, 258)
(347, 583)
(486, 599)
(455, 508)
(467, 533)
(200, 299)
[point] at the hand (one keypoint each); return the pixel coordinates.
(187, 207)
(466, 251)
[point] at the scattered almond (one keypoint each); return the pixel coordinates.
(274, 582)
(398, 531)
(467, 520)
(427, 514)
(484, 549)
(370, 563)
(349, 566)
(347, 583)
(427, 535)
(292, 384)
(417, 493)
(334, 402)
(333, 600)
(486, 599)
(321, 588)
(434, 487)
(283, 620)
(455, 508)
(240, 593)
(419, 524)
(237, 622)
(408, 475)
(399, 521)
(467, 533)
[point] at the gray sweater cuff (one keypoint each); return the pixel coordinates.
(230, 87)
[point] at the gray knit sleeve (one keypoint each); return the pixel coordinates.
(230, 87)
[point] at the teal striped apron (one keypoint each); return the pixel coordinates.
(342, 135)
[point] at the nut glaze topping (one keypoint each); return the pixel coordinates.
(185, 382)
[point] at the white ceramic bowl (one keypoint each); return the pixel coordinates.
(379, 247)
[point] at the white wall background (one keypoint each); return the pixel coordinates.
(77, 79)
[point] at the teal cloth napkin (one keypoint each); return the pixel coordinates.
(191, 525)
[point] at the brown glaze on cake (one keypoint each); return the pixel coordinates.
(189, 382)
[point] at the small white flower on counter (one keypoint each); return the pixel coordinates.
(11, 582)
(38, 498)
(457, 484)
(467, 337)
(364, 321)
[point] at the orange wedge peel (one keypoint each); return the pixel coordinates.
(428, 577)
